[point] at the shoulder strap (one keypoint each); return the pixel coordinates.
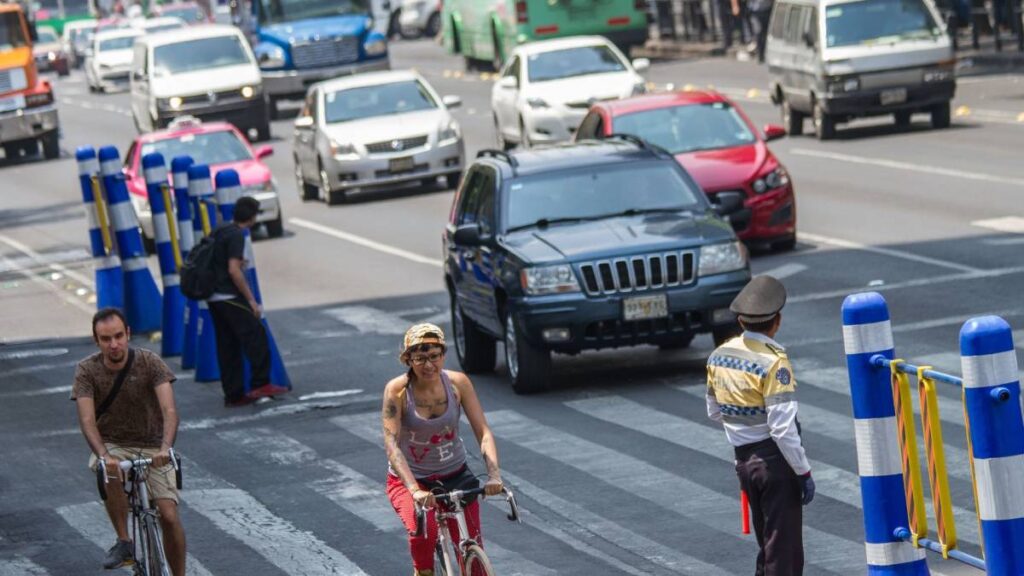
(118, 382)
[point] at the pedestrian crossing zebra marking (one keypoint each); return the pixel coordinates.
(21, 566)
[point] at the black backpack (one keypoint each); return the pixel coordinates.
(198, 274)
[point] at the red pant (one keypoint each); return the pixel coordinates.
(422, 547)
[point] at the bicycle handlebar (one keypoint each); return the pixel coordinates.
(125, 465)
(458, 495)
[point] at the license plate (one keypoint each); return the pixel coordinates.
(399, 165)
(12, 103)
(645, 307)
(897, 96)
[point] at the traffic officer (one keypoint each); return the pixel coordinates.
(751, 391)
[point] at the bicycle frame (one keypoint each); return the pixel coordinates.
(454, 510)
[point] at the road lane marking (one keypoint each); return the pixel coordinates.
(916, 283)
(851, 245)
(834, 482)
(677, 494)
(908, 166)
(91, 521)
(1008, 224)
(365, 242)
(40, 392)
(46, 284)
(369, 320)
(1003, 241)
(786, 270)
(331, 394)
(43, 261)
(367, 426)
(21, 566)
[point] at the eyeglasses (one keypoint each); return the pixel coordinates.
(422, 360)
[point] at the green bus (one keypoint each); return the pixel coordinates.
(489, 30)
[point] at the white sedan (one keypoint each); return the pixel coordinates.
(110, 63)
(546, 88)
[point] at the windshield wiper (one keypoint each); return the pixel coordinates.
(638, 211)
(545, 222)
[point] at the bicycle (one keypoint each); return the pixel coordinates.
(468, 555)
(148, 557)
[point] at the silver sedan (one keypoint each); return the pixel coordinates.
(373, 131)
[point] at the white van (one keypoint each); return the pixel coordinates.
(836, 60)
(208, 72)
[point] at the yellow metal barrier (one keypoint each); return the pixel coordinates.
(101, 213)
(172, 224)
(942, 504)
(912, 484)
(204, 216)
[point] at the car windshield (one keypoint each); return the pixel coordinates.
(571, 62)
(276, 11)
(878, 22)
(45, 36)
(688, 128)
(599, 191)
(201, 54)
(186, 13)
(82, 38)
(208, 148)
(122, 43)
(380, 100)
(12, 35)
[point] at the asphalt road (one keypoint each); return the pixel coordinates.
(617, 469)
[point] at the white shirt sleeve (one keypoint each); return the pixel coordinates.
(714, 410)
(782, 422)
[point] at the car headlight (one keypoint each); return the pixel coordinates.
(721, 258)
(557, 279)
(537, 103)
(639, 88)
(270, 56)
(841, 85)
(174, 102)
(450, 132)
(342, 149)
(51, 56)
(247, 92)
(376, 47)
(775, 179)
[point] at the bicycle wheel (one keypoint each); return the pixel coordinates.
(477, 563)
(156, 560)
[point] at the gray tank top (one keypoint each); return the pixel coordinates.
(432, 446)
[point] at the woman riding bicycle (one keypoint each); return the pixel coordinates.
(421, 416)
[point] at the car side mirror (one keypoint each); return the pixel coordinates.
(304, 122)
(641, 64)
(773, 132)
(264, 151)
(451, 101)
(508, 82)
(467, 235)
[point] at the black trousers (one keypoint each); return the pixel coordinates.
(763, 18)
(728, 23)
(774, 492)
(239, 332)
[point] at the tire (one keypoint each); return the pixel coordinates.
(792, 120)
(453, 180)
(275, 228)
(51, 145)
(477, 563)
(155, 557)
(524, 136)
(940, 116)
(824, 124)
(433, 25)
(785, 245)
(263, 131)
(902, 119)
(677, 343)
(529, 367)
(721, 334)
(272, 109)
(306, 191)
(331, 197)
(476, 351)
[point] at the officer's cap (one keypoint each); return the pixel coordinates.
(760, 300)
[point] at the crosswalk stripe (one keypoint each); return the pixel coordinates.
(21, 566)
(91, 521)
(367, 427)
(834, 482)
(356, 492)
(669, 491)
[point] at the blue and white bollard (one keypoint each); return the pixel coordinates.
(993, 405)
(155, 171)
(200, 190)
(867, 332)
(141, 295)
(109, 277)
(229, 190)
(186, 240)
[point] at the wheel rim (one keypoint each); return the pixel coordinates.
(511, 348)
(325, 187)
(460, 335)
(498, 135)
(786, 114)
(300, 186)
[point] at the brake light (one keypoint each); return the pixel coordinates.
(521, 15)
(618, 21)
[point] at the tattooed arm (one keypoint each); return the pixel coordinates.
(475, 414)
(391, 418)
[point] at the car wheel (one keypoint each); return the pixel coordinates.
(785, 245)
(824, 124)
(940, 116)
(263, 131)
(306, 191)
(331, 197)
(51, 145)
(722, 334)
(902, 119)
(529, 367)
(433, 25)
(272, 109)
(12, 152)
(476, 351)
(677, 343)
(792, 120)
(275, 228)
(453, 180)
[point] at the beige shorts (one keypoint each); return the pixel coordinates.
(159, 481)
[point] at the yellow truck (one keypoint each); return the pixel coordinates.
(28, 116)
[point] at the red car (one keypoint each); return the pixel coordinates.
(217, 144)
(720, 147)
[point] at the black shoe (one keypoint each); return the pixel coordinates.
(120, 554)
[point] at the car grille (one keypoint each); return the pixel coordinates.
(638, 273)
(206, 99)
(397, 145)
(12, 79)
(329, 52)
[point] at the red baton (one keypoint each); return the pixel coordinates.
(745, 513)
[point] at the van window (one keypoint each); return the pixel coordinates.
(778, 25)
(201, 54)
(812, 25)
(878, 21)
(795, 24)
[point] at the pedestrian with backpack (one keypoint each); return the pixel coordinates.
(235, 312)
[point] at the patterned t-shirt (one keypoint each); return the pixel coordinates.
(134, 418)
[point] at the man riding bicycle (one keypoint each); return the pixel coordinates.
(126, 410)
(420, 416)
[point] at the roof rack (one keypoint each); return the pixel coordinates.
(495, 153)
